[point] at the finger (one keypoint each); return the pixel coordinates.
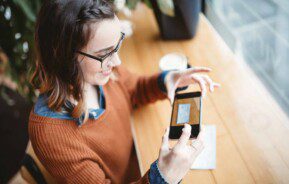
(217, 85)
(165, 140)
(198, 69)
(201, 135)
(202, 85)
(209, 82)
(199, 142)
(172, 96)
(171, 92)
(197, 147)
(171, 100)
(184, 137)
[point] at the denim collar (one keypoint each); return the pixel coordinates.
(42, 109)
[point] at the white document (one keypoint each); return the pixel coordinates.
(207, 158)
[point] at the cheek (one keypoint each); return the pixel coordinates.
(88, 66)
(90, 69)
(91, 72)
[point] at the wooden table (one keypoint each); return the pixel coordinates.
(252, 130)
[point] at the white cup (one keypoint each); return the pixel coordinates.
(173, 61)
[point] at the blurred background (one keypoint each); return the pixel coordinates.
(256, 31)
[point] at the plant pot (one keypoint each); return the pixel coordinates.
(183, 25)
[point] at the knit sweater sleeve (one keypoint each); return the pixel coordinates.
(66, 158)
(141, 89)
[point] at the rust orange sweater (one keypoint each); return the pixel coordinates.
(100, 150)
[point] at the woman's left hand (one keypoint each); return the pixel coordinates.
(176, 79)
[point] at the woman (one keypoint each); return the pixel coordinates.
(79, 126)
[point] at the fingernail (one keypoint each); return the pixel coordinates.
(185, 127)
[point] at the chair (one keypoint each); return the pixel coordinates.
(32, 170)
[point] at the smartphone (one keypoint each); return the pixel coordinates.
(187, 108)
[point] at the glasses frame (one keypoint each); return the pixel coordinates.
(101, 59)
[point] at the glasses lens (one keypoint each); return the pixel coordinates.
(106, 64)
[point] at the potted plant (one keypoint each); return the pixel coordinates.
(183, 24)
(17, 20)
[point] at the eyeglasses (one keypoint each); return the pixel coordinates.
(102, 58)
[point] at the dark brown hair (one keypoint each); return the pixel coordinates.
(63, 26)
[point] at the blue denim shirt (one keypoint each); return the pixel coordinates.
(42, 109)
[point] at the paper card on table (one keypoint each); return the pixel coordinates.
(207, 158)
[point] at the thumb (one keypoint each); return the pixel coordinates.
(171, 97)
(171, 93)
(165, 141)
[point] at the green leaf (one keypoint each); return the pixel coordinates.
(148, 3)
(24, 5)
(131, 4)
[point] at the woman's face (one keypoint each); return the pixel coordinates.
(105, 35)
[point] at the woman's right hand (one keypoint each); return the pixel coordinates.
(175, 162)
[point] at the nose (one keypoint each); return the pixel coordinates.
(115, 60)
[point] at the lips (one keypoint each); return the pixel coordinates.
(106, 73)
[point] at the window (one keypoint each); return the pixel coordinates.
(258, 32)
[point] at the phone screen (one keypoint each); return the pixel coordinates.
(186, 109)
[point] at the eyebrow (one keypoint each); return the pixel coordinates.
(105, 49)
